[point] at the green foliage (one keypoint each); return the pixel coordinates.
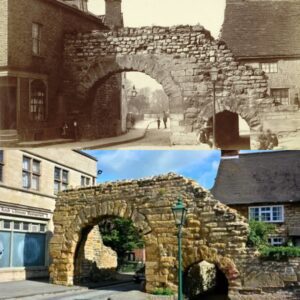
(130, 266)
(163, 292)
(258, 235)
(122, 237)
(279, 253)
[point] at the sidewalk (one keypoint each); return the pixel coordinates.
(29, 288)
(17, 289)
(135, 134)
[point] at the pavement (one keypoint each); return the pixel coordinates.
(37, 290)
(134, 134)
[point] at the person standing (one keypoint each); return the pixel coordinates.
(165, 119)
(158, 122)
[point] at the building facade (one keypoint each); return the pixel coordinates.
(29, 184)
(263, 187)
(33, 104)
(266, 35)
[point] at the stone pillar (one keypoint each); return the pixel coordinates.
(113, 14)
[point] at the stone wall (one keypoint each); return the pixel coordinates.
(95, 261)
(265, 275)
(180, 59)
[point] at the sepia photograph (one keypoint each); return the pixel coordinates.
(149, 149)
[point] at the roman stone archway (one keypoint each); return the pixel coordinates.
(213, 231)
(180, 59)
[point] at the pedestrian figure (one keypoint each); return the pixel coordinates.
(64, 130)
(158, 122)
(272, 140)
(165, 119)
(75, 128)
(297, 101)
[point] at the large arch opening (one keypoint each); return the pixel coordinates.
(112, 250)
(130, 101)
(204, 280)
(232, 131)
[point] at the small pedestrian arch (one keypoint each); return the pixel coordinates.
(148, 204)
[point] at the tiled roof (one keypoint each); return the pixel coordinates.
(262, 28)
(267, 177)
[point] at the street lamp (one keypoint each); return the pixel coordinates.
(133, 92)
(179, 212)
(214, 77)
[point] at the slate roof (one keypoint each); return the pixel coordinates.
(262, 28)
(265, 177)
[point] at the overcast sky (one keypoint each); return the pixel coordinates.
(138, 13)
(209, 13)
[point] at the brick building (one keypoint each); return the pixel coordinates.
(29, 182)
(264, 187)
(33, 105)
(266, 34)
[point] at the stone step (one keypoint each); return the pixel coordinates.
(8, 137)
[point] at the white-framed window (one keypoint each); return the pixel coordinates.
(276, 240)
(269, 67)
(36, 38)
(85, 181)
(31, 173)
(38, 100)
(1, 164)
(272, 214)
(61, 179)
(281, 96)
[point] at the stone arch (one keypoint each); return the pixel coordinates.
(147, 64)
(148, 203)
(224, 264)
(180, 58)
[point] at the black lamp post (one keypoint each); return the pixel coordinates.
(179, 212)
(214, 77)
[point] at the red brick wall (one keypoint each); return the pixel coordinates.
(56, 20)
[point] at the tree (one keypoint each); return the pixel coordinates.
(159, 101)
(121, 235)
(140, 103)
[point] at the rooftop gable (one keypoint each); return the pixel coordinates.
(262, 28)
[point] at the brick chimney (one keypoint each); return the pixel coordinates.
(113, 14)
(80, 4)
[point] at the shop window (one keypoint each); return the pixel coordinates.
(266, 213)
(281, 96)
(31, 173)
(61, 179)
(270, 67)
(38, 97)
(36, 38)
(19, 246)
(1, 165)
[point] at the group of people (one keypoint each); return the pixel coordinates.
(70, 131)
(165, 120)
(267, 140)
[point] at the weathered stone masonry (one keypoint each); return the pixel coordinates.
(180, 59)
(213, 232)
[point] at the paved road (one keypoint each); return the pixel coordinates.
(128, 291)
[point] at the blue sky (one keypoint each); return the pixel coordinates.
(121, 164)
